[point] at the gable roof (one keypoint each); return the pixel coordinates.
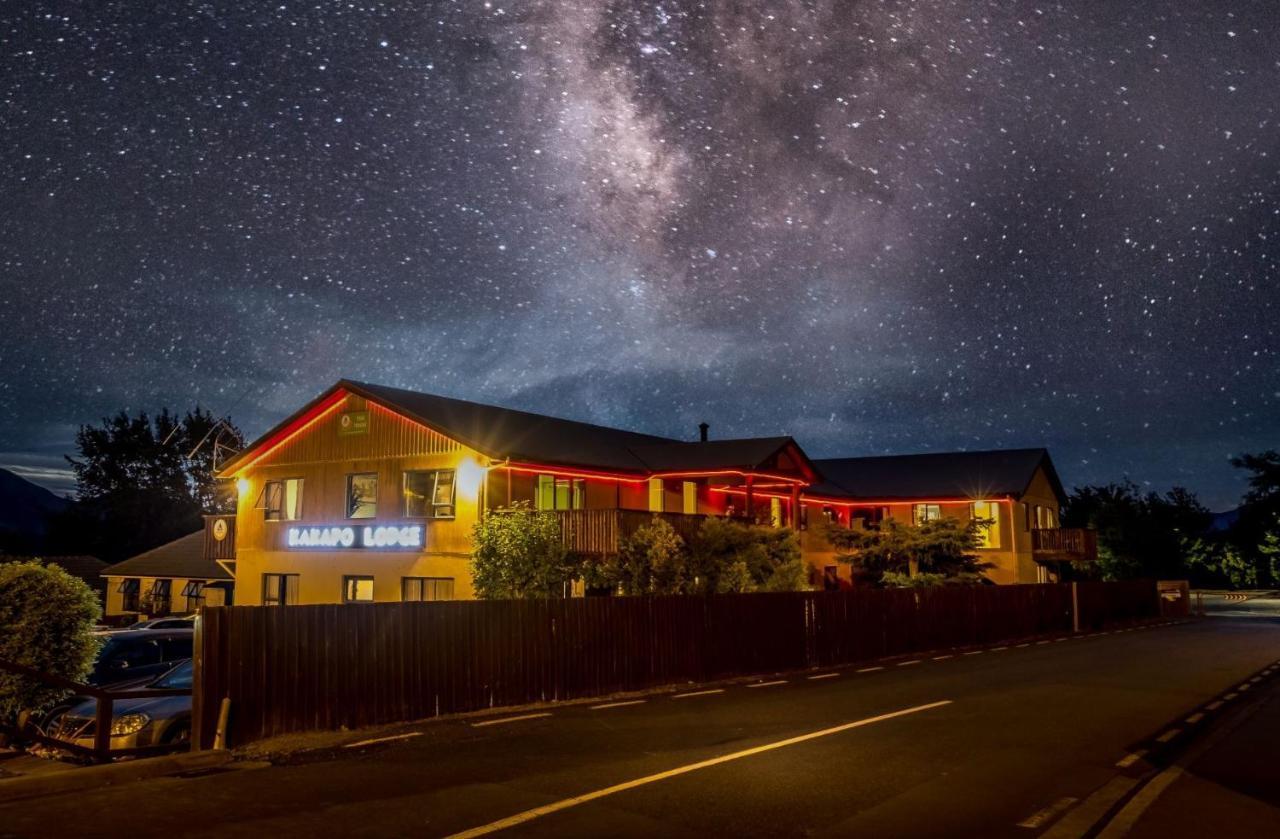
(521, 436)
(182, 558)
(941, 475)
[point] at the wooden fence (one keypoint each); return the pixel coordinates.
(299, 668)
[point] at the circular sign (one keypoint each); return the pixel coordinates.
(345, 421)
(220, 529)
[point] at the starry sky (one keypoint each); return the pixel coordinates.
(877, 226)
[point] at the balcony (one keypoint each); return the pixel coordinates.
(601, 532)
(1074, 544)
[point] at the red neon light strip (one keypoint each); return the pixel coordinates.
(295, 428)
(867, 503)
(535, 469)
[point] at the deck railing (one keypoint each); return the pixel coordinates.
(1080, 543)
(601, 532)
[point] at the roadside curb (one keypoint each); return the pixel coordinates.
(89, 777)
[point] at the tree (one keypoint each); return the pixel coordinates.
(730, 556)
(143, 481)
(46, 623)
(653, 560)
(897, 554)
(518, 553)
(1139, 534)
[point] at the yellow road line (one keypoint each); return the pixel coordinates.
(564, 804)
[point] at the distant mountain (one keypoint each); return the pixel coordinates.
(1224, 520)
(25, 507)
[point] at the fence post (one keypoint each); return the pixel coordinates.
(102, 729)
(1075, 607)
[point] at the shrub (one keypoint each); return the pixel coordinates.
(653, 560)
(46, 623)
(518, 553)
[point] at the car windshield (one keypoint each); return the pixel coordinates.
(178, 677)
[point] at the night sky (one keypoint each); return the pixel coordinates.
(876, 226)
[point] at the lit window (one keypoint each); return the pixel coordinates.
(362, 496)
(656, 491)
(357, 589)
(279, 589)
(989, 533)
(415, 589)
(429, 494)
(921, 513)
(690, 490)
(282, 500)
(775, 512)
(560, 493)
(1046, 518)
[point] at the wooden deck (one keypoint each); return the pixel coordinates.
(1068, 543)
(600, 532)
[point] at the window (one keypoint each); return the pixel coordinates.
(282, 500)
(129, 589)
(921, 513)
(414, 589)
(429, 494)
(560, 493)
(656, 491)
(988, 534)
(1046, 518)
(121, 654)
(158, 597)
(176, 648)
(357, 589)
(279, 589)
(775, 512)
(690, 491)
(194, 592)
(362, 495)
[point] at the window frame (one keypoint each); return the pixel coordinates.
(994, 541)
(917, 519)
(281, 597)
(279, 513)
(426, 585)
(657, 495)
(575, 492)
(348, 579)
(193, 591)
(431, 507)
(350, 508)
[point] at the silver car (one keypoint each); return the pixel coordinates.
(136, 722)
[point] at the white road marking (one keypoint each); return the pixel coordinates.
(564, 804)
(768, 684)
(1131, 758)
(1124, 821)
(1020, 646)
(1040, 643)
(1195, 718)
(618, 704)
(1048, 814)
(1215, 705)
(1244, 687)
(383, 739)
(510, 719)
(698, 693)
(1059, 640)
(869, 670)
(1168, 735)
(975, 652)
(998, 649)
(905, 663)
(1229, 697)
(943, 657)
(823, 676)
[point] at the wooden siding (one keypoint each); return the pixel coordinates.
(390, 436)
(601, 532)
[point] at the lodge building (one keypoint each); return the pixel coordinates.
(369, 493)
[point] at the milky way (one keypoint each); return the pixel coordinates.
(876, 226)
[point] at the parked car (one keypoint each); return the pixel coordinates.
(136, 656)
(128, 660)
(136, 722)
(168, 622)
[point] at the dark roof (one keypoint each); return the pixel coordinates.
(83, 567)
(986, 474)
(182, 558)
(504, 433)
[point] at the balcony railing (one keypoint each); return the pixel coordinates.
(1073, 543)
(601, 532)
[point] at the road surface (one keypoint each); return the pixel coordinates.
(1006, 742)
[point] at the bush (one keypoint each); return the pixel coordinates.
(653, 560)
(46, 623)
(518, 553)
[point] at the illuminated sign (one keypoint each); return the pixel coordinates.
(353, 422)
(356, 537)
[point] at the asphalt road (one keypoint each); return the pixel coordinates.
(1024, 730)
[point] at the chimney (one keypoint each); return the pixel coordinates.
(702, 431)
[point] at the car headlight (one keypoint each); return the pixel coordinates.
(128, 724)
